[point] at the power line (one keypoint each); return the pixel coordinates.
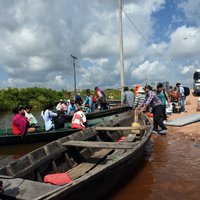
(142, 35)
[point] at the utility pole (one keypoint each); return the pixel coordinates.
(74, 66)
(121, 50)
(172, 71)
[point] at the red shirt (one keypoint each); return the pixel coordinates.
(19, 123)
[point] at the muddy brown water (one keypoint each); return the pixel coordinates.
(170, 169)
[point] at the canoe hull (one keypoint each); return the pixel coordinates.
(103, 183)
(35, 137)
(93, 177)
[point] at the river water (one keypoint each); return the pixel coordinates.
(13, 152)
(170, 169)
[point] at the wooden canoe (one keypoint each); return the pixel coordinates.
(93, 158)
(7, 138)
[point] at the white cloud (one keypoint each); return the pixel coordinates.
(191, 10)
(38, 38)
(185, 40)
(37, 64)
(151, 71)
(187, 70)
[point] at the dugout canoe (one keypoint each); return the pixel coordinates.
(94, 159)
(103, 113)
(7, 138)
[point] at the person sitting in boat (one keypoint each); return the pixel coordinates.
(88, 103)
(48, 116)
(31, 119)
(101, 95)
(72, 107)
(79, 119)
(78, 99)
(20, 122)
(62, 106)
(94, 102)
(59, 104)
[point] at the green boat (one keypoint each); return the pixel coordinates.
(103, 113)
(7, 138)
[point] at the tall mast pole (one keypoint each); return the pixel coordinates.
(121, 50)
(74, 66)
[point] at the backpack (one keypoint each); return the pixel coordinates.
(186, 91)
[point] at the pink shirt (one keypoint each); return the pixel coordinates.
(19, 123)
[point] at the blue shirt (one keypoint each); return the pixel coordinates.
(71, 108)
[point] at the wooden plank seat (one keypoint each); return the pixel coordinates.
(97, 144)
(125, 128)
(92, 162)
(101, 157)
(119, 152)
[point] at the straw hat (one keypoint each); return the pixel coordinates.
(140, 90)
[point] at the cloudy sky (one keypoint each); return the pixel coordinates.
(38, 37)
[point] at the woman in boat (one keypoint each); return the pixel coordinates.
(48, 116)
(31, 119)
(20, 123)
(79, 119)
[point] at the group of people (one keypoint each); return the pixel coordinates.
(24, 122)
(156, 101)
(89, 104)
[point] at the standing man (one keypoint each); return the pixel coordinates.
(152, 100)
(164, 97)
(181, 96)
(128, 98)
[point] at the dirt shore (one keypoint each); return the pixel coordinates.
(191, 131)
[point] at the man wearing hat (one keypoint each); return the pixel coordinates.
(139, 98)
(152, 100)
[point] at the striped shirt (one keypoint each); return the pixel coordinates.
(152, 100)
(139, 99)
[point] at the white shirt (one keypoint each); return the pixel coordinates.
(48, 119)
(181, 91)
(31, 118)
